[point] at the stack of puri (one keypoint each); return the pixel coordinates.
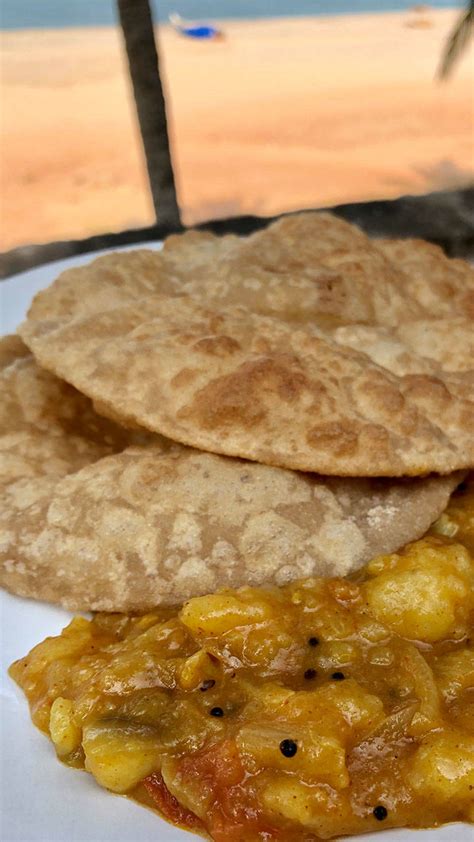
(232, 411)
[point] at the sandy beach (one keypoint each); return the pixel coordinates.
(278, 115)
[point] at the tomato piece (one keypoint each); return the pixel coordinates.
(217, 765)
(235, 814)
(167, 804)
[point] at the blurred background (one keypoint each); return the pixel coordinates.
(289, 104)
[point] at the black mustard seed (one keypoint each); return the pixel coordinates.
(288, 748)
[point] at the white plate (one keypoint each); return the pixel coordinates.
(42, 800)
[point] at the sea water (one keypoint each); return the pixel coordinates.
(50, 14)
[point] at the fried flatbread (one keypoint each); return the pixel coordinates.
(240, 384)
(340, 360)
(157, 525)
(88, 525)
(47, 428)
(417, 347)
(306, 268)
(309, 267)
(442, 286)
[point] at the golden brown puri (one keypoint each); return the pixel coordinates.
(303, 268)
(286, 391)
(309, 267)
(47, 428)
(416, 347)
(240, 384)
(442, 286)
(157, 525)
(90, 521)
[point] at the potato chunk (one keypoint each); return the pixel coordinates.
(197, 668)
(314, 808)
(425, 592)
(443, 768)
(217, 614)
(318, 758)
(119, 755)
(65, 734)
(291, 799)
(337, 709)
(455, 673)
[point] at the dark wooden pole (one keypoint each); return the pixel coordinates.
(137, 26)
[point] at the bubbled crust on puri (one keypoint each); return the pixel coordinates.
(240, 384)
(333, 364)
(90, 520)
(158, 525)
(299, 268)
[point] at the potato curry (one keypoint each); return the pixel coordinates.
(322, 708)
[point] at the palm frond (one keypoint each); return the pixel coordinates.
(457, 41)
